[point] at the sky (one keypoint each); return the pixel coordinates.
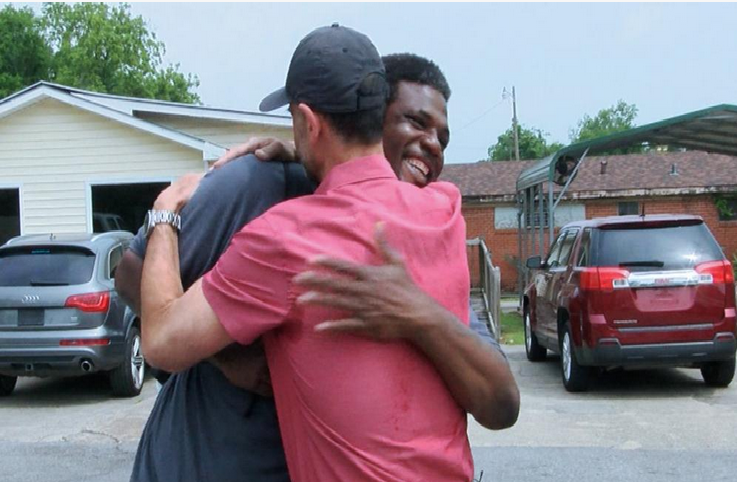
(564, 59)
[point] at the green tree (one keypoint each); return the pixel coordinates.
(24, 54)
(532, 145)
(104, 48)
(619, 117)
(92, 46)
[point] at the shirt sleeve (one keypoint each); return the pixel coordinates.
(138, 244)
(248, 289)
(226, 199)
(483, 331)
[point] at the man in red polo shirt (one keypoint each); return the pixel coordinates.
(350, 408)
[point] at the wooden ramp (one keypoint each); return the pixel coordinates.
(478, 305)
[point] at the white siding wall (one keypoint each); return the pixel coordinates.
(53, 151)
(223, 133)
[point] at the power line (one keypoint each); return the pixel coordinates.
(482, 115)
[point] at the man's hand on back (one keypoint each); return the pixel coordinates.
(174, 197)
(384, 301)
(385, 304)
(264, 148)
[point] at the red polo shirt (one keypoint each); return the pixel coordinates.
(351, 409)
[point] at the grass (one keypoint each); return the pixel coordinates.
(513, 333)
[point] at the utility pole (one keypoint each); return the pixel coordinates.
(514, 125)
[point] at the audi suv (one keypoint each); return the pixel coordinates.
(60, 314)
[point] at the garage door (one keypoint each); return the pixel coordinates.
(9, 214)
(122, 206)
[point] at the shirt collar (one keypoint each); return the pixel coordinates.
(358, 169)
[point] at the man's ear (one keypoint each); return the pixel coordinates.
(313, 122)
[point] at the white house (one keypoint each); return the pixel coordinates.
(68, 154)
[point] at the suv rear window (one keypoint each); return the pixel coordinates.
(45, 266)
(655, 248)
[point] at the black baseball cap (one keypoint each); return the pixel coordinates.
(327, 70)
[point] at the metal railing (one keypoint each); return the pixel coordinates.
(489, 278)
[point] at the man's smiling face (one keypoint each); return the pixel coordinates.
(416, 133)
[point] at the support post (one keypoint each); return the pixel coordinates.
(541, 196)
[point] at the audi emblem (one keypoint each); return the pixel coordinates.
(30, 299)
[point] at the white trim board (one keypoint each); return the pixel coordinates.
(130, 105)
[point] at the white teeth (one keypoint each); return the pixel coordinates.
(419, 165)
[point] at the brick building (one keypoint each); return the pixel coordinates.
(690, 182)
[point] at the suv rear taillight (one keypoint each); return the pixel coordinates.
(89, 302)
(606, 279)
(715, 272)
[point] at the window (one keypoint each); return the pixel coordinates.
(584, 252)
(45, 266)
(658, 248)
(115, 256)
(627, 208)
(566, 247)
(561, 250)
(727, 209)
(554, 251)
(536, 217)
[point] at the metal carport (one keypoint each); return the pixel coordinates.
(712, 130)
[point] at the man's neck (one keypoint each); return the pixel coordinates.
(344, 153)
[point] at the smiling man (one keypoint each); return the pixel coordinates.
(416, 121)
(212, 420)
(349, 408)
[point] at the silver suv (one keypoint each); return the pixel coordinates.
(60, 314)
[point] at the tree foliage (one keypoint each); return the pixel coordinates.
(619, 117)
(95, 46)
(532, 145)
(24, 53)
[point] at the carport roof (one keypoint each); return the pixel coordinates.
(713, 129)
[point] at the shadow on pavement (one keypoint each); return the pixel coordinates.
(58, 392)
(618, 383)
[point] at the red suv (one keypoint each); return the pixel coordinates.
(633, 291)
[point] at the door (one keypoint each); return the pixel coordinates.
(555, 276)
(542, 280)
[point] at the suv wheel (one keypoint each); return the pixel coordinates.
(127, 379)
(7, 385)
(535, 351)
(575, 376)
(718, 374)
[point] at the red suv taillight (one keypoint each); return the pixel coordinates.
(715, 272)
(607, 279)
(89, 302)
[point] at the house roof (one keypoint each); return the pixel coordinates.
(132, 105)
(626, 175)
(123, 109)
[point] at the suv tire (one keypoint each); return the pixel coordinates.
(7, 385)
(535, 351)
(575, 377)
(718, 374)
(127, 379)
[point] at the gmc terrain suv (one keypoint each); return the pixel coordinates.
(633, 291)
(60, 314)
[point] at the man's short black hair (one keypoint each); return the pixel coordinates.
(364, 126)
(413, 68)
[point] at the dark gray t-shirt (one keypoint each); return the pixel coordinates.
(202, 428)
